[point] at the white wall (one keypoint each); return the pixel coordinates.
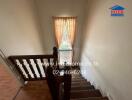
(107, 48)
(19, 28)
(49, 8)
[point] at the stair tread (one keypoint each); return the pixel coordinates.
(81, 83)
(90, 90)
(91, 98)
(82, 87)
(85, 94)
(79, 80)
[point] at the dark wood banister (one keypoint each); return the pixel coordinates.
(31, 56)
(54, 81)
(21, 58)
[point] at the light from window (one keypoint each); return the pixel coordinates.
(65, 31)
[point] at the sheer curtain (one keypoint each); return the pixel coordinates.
(65, 29)
(65, 33)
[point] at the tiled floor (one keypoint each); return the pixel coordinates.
(35, 90)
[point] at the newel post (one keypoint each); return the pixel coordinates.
(67, 82)
(55, 54)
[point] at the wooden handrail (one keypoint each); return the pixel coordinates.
(30, 56)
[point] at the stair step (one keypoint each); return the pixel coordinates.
(74, 75)
(91, 98)
(77, 76)
(80, 84)
(85, 94)
(83, 87)
(78, 79)
(83, 90)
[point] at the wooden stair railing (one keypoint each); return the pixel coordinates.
(32, 67)
(40, 67)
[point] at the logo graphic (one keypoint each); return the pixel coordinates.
(117, 10)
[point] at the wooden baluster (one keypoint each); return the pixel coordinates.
(18, 68)
(49, 61)
(38, 68)
(43, 64)
(31, 67)
(25, 68)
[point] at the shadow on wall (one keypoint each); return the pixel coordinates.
(89, 14)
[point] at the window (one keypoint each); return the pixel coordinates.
(65, 32)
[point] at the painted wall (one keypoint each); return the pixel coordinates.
(19, 28)
(107, 48)
(49, 8)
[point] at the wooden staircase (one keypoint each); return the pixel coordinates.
(65, 87)
(83, 90)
